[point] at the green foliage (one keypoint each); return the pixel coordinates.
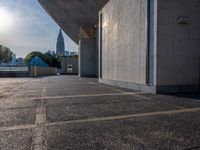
(50, 60)
(31, 55)
(5, 54)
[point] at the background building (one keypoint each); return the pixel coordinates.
(60, 45)
(52, 53)
(73, 53)
(69, 65)
(67, 53)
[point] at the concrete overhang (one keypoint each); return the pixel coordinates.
(73, 14)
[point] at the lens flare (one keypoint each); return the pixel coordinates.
(6, 19)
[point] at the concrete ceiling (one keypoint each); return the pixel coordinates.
(72, 14)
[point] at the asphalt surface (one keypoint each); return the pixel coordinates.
(67, 112)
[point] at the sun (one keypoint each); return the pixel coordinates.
(6, 19)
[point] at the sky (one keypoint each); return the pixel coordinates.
(26, 27)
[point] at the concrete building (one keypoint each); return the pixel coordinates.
(160, 40)
(60, 45)
(69, 65)
(73, 53)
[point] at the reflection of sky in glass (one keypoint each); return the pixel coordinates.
(32, 28)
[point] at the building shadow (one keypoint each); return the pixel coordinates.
(193, 95)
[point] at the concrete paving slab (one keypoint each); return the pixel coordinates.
(17, 117)
(174, 132)
(187, 102)
(16, 140)
(92, 107)
(22, 94)
(82, 114)
(79, 90)
(14, 103)
(11, 83)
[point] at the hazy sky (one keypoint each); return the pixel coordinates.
(25, 26)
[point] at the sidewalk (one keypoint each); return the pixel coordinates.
(67, 112)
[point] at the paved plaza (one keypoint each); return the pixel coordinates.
(71, 113)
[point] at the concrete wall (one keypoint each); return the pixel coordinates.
(14, 74)
(42, 71)
(178, 45)
(124, 41)
(88, 58)
(69, 60)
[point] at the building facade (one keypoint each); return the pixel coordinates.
(146, 45)
(60, 45)
(69, 65)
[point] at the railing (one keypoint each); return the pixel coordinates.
(13, 68)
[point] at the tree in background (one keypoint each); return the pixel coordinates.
(5, 54)
(50, 60)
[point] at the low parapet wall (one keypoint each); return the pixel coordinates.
(42, 71)
(14, 74)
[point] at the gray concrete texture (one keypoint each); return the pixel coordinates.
(124, 40)
(14, 73)
(88, 58)
(178, 45)
(173, 45)
(36, 71)
(69, 60)
(72, 14)
(67, 112)
(168, 57)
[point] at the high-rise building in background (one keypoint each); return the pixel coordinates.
(60, 45)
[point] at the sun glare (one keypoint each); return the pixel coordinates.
(6, 19)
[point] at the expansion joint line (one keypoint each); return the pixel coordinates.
(39, 140)
(130, 116)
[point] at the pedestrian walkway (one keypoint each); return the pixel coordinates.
(67, 112)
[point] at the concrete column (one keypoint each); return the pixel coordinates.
(88, 58)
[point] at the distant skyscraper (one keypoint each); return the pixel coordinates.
(60, 46)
